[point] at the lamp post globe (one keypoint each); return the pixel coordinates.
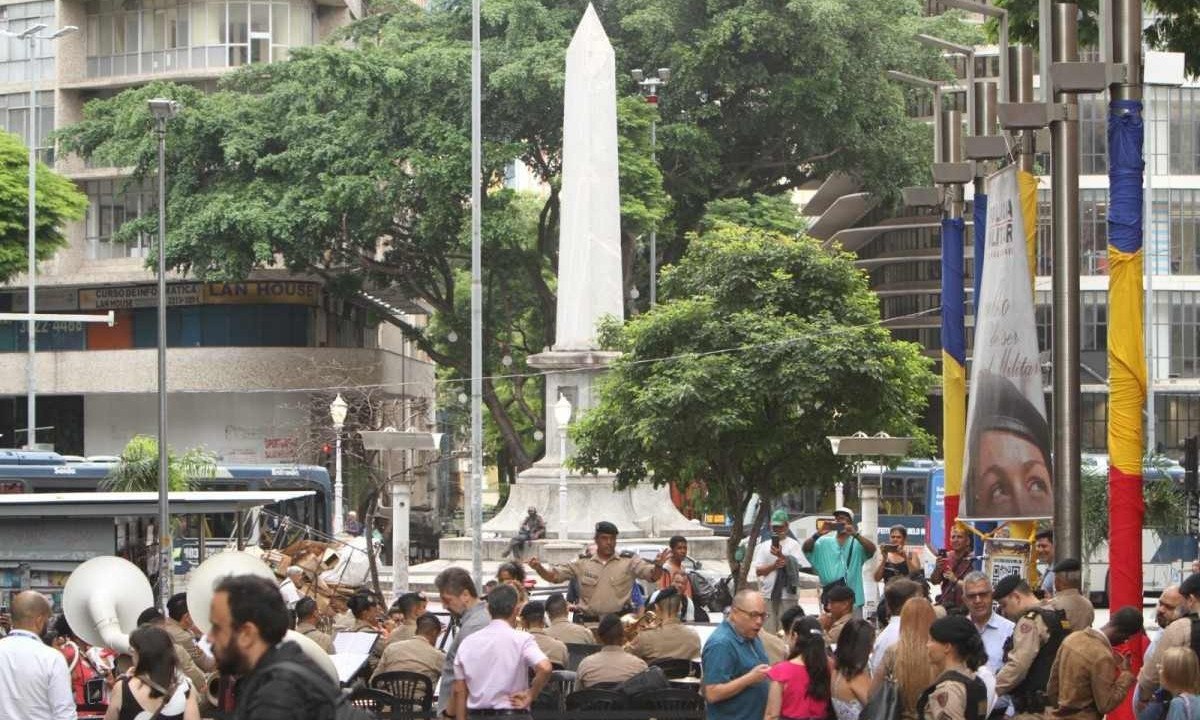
(337, 413)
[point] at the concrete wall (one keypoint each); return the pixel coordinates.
(238, 427)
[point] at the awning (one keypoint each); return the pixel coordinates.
(125, 504)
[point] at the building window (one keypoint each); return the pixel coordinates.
(1176, 418)
(14, 117)
(1183, 309)
(1093, 232)
(14, 52)
(111, 204)
(153, 36)
(225, 326)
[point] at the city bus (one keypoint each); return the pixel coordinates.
(24, 471)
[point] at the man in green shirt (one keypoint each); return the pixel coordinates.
(838, 552)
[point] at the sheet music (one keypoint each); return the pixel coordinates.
(354, 643)
(347, 664)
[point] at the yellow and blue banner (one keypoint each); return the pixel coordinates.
(954, 364)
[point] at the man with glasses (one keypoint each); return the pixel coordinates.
(735, 664)
(777, 564)
(993, 629)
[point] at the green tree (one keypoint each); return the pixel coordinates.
(763, 346)
(1176, 26)
(1166, 507)
(58, 201)
(351, 160)
(137, 470)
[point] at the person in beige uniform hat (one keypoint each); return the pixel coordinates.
(1068, 595)
(671, 639)
(561, 628)
(605, 579)
(533, 616)
(612, 664)
(416, 654)
(306, 624)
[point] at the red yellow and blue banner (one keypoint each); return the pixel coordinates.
(954, 364)
(1126, 353)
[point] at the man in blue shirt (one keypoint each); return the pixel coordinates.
(735, 664)
(838, 552)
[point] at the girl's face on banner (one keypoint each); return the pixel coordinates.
(1013, 480)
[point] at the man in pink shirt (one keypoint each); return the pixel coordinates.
(491, 670)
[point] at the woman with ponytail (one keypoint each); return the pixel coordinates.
(801, 686)
(957, 651)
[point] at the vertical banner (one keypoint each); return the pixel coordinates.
(1126, 353)
(1008, 469)
(954, 363)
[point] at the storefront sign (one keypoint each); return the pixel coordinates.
(254, 292)
(139, 296)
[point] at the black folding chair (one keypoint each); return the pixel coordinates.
(687, 703)
(594, 699)
(411, 692)
(674, 668)
(376, 701)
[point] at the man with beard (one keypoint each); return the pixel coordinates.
(249, 619)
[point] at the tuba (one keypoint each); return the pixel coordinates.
(103, 598)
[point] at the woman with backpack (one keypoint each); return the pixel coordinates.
(154, 688)
(801, 686)
(956, 649)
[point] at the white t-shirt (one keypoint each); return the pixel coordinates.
(763, 556)
(291, 595)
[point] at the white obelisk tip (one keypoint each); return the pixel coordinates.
(589, 268)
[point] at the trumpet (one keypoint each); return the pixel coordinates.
(634, 624)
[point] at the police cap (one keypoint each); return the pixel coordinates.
(1006, 586)
(1068, 565)
(604, 527)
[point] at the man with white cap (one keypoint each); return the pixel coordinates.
(838, 552)
(776, 566)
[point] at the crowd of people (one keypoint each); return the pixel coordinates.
(971, 652)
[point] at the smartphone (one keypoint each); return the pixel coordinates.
(775, 543)
(890, 548)
(839, 527)
(941, 553)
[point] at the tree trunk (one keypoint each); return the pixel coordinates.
(508, 430)
(369, 532)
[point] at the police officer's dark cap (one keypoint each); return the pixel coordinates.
(1006, 586)
(604, 527)
(1068, 565)
(1190, 586)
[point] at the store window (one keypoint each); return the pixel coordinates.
(226, 326)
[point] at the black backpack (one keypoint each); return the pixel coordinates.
(339, 707)
(976, 708)
(1029, 696)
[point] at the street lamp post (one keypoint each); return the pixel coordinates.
(649, 87)
(337, 413)
(163, 110)
(32, 34)
(562, 417)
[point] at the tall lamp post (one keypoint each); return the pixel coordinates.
(337, 413)
(649, 87)
(163, 110)
(562, 417)
(32, 34)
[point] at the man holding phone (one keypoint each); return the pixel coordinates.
(777, 565)
(838, 552)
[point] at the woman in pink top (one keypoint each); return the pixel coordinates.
(800, 685)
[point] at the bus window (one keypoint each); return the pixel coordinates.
(11, 487)
(917, 492)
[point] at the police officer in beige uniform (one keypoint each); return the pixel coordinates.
(306, 624)
(1030, 651)
(1068, 595)
(417, 654)
(1088, 679)
(533, 616)
(671, 639)
(612, 664)
(605, 579)
(1177, 634)
(561, 628)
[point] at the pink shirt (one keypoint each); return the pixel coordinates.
(495, 663)
(796, 702)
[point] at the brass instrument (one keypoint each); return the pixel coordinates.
(635, 624)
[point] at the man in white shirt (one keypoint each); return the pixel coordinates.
(34, 681)
(290, 587)
(993, 629)
(897, 592)
(770, 566)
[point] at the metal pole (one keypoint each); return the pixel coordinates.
(1149, 262)
(339, 491)
(952, 152)
(476, 302)
(1020, 89)
(653, 228)
(166, 573)
(1065, 290)
(563, 525)
(31, 323)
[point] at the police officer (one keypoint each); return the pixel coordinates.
(1088, 679)
(533, 617)
(671, 639)
(1068, 595)
(605, 579)
(1184, 632)
(1029, 653)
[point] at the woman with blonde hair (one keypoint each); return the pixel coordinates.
(907, 662)
(1179, 674)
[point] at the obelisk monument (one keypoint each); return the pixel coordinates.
(590, 288)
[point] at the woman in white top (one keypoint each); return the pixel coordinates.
(154, 688)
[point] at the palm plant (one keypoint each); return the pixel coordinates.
(137, 470)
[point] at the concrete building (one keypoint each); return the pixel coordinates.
(243, 357)
(901, 253)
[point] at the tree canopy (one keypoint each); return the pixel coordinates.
(762, 347)
(351, 160)
(58, 201)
